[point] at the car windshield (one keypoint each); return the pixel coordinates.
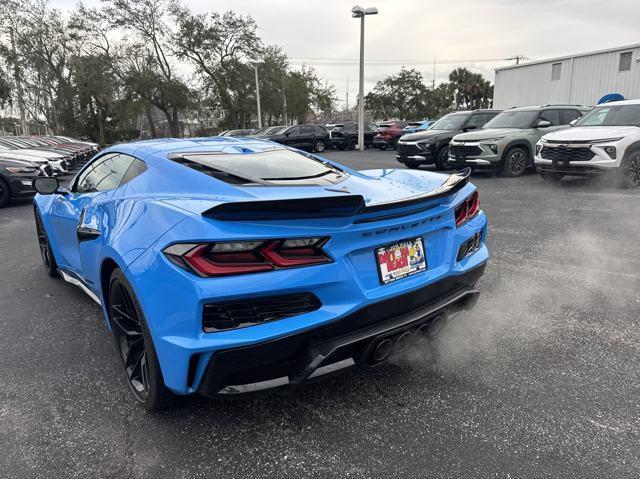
(513, 119)
(452, 121)
(276, 167)
(611, 115)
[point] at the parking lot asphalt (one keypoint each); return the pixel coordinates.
(542, 379)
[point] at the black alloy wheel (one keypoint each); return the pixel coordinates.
(631, 171)
(48, 260)
(318, 146)
(135, 346)
(515, 163)
(5, 194)
(443, 161)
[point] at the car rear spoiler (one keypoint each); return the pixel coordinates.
(327, 206)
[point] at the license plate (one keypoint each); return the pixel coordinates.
(401, 260)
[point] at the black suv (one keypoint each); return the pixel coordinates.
(432, 146)
(303, 137)
(16, 177)
(345, 136)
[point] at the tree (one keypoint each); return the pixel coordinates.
(218, 45)
(142, 59)
(95, 85)
(5, 89)
(40, 51)
(471, 90)
(402, 96)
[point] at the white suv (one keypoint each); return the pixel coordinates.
(607, 139)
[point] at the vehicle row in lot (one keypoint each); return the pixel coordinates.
(431, 147)
(507, 142)
(557, 140)
(22, 158)
(276, 267)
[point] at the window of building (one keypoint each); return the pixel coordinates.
(625, 62)
(556, 70)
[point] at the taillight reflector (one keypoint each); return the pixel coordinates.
(467, 209)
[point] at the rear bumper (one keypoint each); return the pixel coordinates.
(174, 300)
(364, 338)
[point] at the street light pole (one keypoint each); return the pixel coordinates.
(360, 12)
(255, 68)
(361, 89)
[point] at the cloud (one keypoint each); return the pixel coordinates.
(418, 30)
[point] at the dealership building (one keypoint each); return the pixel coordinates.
(576, 79)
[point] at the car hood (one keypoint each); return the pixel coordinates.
(376, 187)
(35, 153)
(488, 133)
(11, 161)
(14, 155)
(589, 133)
(428, 135)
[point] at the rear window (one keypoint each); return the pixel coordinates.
(277, 167)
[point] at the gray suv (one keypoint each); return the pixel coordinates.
(507, 143)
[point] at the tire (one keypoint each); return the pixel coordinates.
(412, 165)
(5, 193)
(134, 345)
(515, 163)
(48, 259)
(383, 147)
(442, 159)
(551, 176)
(319, 146)
(630, 171)
(351, 145)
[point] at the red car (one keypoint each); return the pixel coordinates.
(388, 134)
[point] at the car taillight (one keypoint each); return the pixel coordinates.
(467, 209)
(242, 257)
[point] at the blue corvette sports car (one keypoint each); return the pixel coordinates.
(228, 265)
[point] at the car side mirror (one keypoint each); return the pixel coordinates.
(573, 122)
(45, 185)
(543, 124)
(470, 127)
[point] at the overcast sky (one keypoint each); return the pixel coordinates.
(410, 32)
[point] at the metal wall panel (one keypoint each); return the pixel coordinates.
(584, 80)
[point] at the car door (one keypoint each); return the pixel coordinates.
(292, 136)
(534, 134)
(95, 184)
(307, 135)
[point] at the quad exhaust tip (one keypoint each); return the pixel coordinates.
(382, 350)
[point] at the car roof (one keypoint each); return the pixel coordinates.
(622, 102)
(548, 107)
